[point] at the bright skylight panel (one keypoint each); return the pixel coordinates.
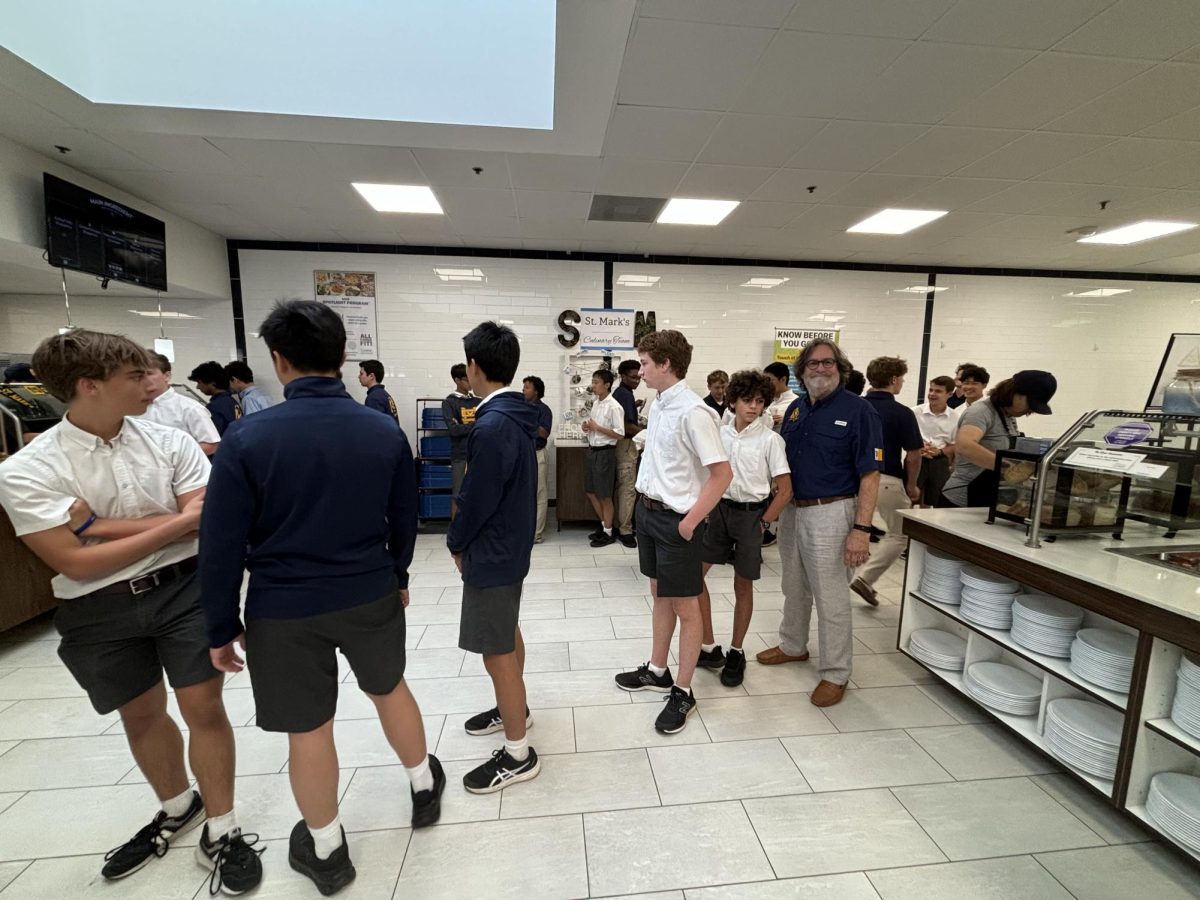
(896, 221)
(685, 211)
(1138, 231)
(399, 198)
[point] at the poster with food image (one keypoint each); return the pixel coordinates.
(352, 296)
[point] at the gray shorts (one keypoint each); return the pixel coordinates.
(293, 662)
(118, 646)
(677, 565)
(734, 536)
(600, 471)
(458, 471)
(488, 622)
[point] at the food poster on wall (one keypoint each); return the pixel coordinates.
(352, 296)
(789, 342)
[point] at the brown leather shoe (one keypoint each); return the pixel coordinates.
(828, 694)
(775, 656)
(865, 591)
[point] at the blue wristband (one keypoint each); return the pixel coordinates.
(86, 525)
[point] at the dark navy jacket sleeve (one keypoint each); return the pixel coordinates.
(402, 513)
(868, 441)
(481, 491)
(224, 530)
(377, 400)
(220, 408)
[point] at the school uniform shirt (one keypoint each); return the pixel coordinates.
(937, 428)
(718, 408)
(458, 411)
(224, 409)
(682, 440)
(175, 410)
(624, 396)
(253, 400)
(545, 420)
(757, 456)
(138, 474)
(900, 431)
(779, 406)
(609, 414)
(380, 400)
(831, 444)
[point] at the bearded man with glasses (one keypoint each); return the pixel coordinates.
(834, 443)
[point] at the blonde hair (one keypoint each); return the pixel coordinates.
(62, 359)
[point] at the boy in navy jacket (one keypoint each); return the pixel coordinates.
(491, 539)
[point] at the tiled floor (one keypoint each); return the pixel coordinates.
(901, 791)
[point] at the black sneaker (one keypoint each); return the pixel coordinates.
(329, 875)
(598, 533)
(487, 722)
(427, 805)
(152, 841)
(604, 540)
(627, 540)
(711, 659)
(500, 771)
(769, 537)
(676, 708)
(233, 861)
(735, 668)
(642, 679)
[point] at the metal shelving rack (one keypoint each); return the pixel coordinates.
(422, 404)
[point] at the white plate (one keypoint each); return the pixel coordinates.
(1093, 721)
(1049, 611)
(1107, 642)
(1006, 680)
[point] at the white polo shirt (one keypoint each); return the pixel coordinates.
(757, 456)
(682, 439)
(938, 428)
(779, 405)
(177, 411)
(139, 474)
(609, 414)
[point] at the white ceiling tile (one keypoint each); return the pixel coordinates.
(1151, 29)
(931, 81)
(1184, 127)
(1192, 55)
(942, 151)
(175, 152)
(1050, 86)
(791, 185)
(854, 146)
(1176, 204)
(828, 220)
(544, 172)
(491, 242)
(722, 182)
(269, 157)
(1139, 103)
(1114, 162)
(1032, 155)
(455, 168)
(639, 177)
(759, 140)
(90, 151)
(1025, 197)
(759, 13)
(893, 18)
(764, 214)
(1051, 229)
(553, 204)
(1085, 204)
(375, 165)
(879, 191)
(460, 203)
(552, 244)
(955, 193)
(629, 232)
(688, 65)
(815, 74)
(493, 226)
(648, 132)
(1033, 24)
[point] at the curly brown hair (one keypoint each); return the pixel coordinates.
(668, 347)
(747, 384)
(62, 359)
(882, 369)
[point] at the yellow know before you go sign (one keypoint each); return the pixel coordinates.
(790, 341)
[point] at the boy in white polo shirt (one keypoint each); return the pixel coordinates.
(603, 427)
(735, 528)
(683, 475)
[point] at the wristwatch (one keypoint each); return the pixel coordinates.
(865, 528)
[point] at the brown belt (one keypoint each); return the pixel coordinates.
(821, 501)
(656, 505)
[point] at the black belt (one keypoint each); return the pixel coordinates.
(148, 582)
(757, 504)
(658, 505)
(604, 447)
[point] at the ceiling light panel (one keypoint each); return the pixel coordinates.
(921, 289)
(896, 221)
(1100, 292)
(763, 283)
(399, 198)
(1137, 232)
(637, 281)
(685, 211)
(447, 273)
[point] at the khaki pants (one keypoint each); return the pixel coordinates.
(811, 543)
(626, 494)
(542, 498)
(892, 499)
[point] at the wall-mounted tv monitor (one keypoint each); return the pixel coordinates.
(90, 233)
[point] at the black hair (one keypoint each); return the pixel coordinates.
(855, 382)
(373, 367)
(604, 375)
(495, 349)
(975, 373)
(211, 372)
(539, 386)
(629, 365)
(239, 370)
(778, 369)
(458, 370)
(308, 334)
(18, 372)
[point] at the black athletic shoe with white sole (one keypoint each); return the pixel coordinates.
(642, 679)
(233, 861)
(676, 708)
(427, 805)
(735, 668)
(500, 771)
(490, 721)
(152, 841)
(711, 659)
(329, 875)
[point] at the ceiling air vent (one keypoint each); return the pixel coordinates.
(608, 208)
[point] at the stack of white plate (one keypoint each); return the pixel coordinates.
(1084, 735)
(987, 598)
(940, 579)
(1045, 624)
(1174, 805)
(1004, 688)
(1104, 657)
(938, 648)
(1185, 711)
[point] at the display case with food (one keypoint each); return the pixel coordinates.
(1075, 500)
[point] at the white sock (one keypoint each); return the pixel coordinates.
(657, 670)
(219, 826)
(736, 649)
(420, 776)
(178, 806)
(607, 529)
(707, 648)
(518, 750)
(686, 688)
(327, 839)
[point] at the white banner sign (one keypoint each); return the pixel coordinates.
(352, 296)
(607, 329)
(1116, 461)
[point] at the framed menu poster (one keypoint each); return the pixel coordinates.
(352, 296)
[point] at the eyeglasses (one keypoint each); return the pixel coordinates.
(815, 364)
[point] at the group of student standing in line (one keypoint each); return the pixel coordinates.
(150, 542)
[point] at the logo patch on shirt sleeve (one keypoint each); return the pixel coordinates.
(794, 416)
(878, 454)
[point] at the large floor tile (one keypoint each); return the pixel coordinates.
(613, 656)
(816, 834)
(1118, 873)
(380, 797)
(1096, 812)
(965, 710)
(553, 731)
(550, 591)
(982, 751)
(515, 858)
(851, 886)
(1003, 817)
(66, 717)
(789, 678)
(768, 715)
(10, 870)
(734, 770)
(693, 846)
(173, 877)
(538, 658)
(29, 653)
(361, 742)
(872, 709)
(584, 782)
(546, 631)
(591, 687)
(590, 605)
(436, 636)
(863, 759)
(627, 726)
(258, 753)
(100, 818)
(887, 670)
(443, 662)
(1018, 876)
(376, 855)
(445, 696)
(605, 571)
(877, 640)
(65, 762)
(532, 610)
(625, 588)
(434, 614)
(632, 626)
(705, 686)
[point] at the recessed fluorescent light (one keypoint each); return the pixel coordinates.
(1138, 231)
(764, 283)
(399, 198)
(154, 314)
(896, 221)
(1100, 292)
(920, 289)
(681, 211)
(825, 317)
(455, 274)
(637, 280)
